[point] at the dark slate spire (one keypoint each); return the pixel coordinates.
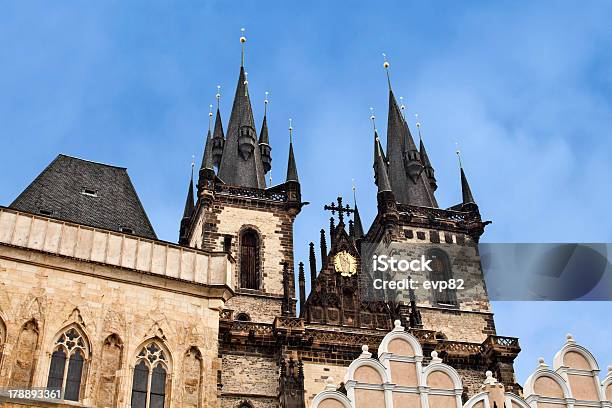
(292, 173)
(189, 206)
(380, 167)
(429, 171)
(207, 158)
(405, 170)
(465, 189)
(187, 212)
(264, 141)
(395, 151)
(218, 139)
(358, 226)
(241, 163)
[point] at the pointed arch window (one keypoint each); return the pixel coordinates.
(67, 369)
(151, 377)
(441, 271)
(249, 259)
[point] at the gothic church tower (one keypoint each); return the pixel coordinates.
(237, 213)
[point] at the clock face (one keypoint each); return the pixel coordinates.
(345, 264)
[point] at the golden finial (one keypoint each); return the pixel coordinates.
(290, 130)
(418, 124)
(218, 95)
(386, 65)
(373, 118)
(266, 103)
(210, 115)
(242, 41)
(192, 165)
(458, 153)
(354, 193)
(402, 106)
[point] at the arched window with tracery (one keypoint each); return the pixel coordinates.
(150, 383)
(441, 271)
(68, 363)
(249, 259)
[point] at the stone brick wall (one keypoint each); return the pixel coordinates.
(225, 216)
(117, 310)
(458, 325)
(251, 378)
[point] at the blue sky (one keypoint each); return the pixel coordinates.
(525, 88)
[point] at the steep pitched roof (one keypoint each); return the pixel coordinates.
(292, 173)
(466, 191)
(408, 180)
(381, 177)
(235, 168)
(189, 205)
(88, 193)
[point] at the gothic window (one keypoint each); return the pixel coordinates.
(21, 375)
(192, 384)
(110, 365)
(151, 379)
(249, 259)
(67, 369)
(441, 271)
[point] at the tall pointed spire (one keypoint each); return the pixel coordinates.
(207, 157)
(466, 191)
(429, 170)
(264, 140)
(405, 169)
(292, 173)
(218, 135)
(241, 163)
(188, 210)
(207, 168)
(189, 206)
(358, 226)
(381, 178)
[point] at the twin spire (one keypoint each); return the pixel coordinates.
(405, 170)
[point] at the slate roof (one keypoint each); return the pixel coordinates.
(84, 192)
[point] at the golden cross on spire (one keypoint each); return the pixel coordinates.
(210, 115)
(386, 65)
(458, 152)
(373, 118)
(418, 124)
(242, 42)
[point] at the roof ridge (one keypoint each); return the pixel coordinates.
(91, 161)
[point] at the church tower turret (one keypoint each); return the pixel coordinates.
(237, 213)
(264, 140)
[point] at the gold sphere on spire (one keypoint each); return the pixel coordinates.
(242, 37)
(386, 64)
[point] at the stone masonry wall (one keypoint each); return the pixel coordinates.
(249, 378)
(51, 292)
(227, 216)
